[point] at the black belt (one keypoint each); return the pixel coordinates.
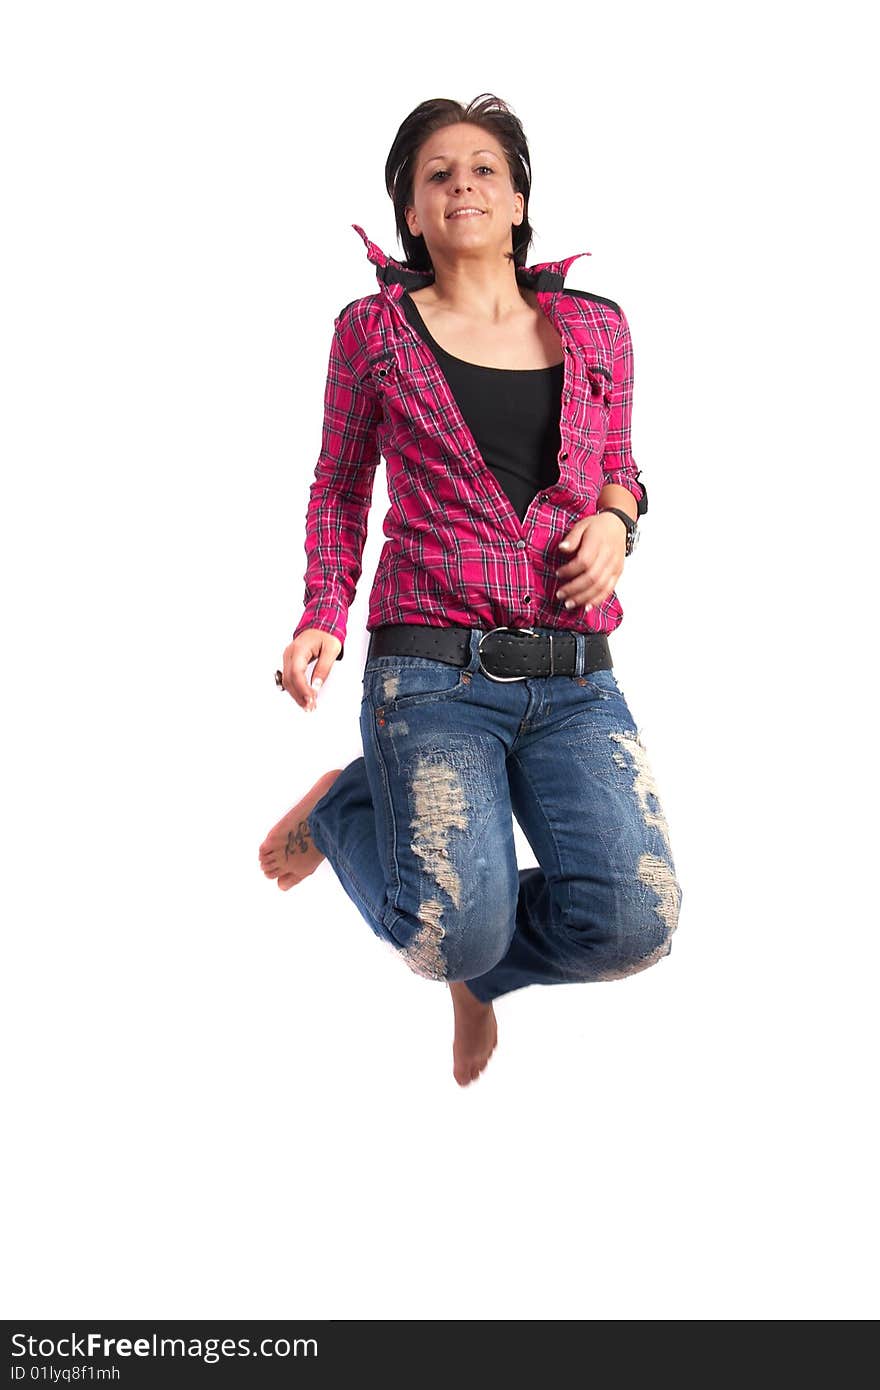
(506, 653)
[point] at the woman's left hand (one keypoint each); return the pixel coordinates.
(594, 559)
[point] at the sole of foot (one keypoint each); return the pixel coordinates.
(288, 853)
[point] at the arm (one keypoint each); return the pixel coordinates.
(339, 499)
(619, 469)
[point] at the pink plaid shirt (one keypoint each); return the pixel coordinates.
(456, 552)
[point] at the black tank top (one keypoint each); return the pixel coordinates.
(513, 415)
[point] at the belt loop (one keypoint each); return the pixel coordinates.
(581, 654)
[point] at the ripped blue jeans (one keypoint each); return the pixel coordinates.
(420, 833)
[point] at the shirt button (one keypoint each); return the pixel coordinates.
(520, 545)
(565, 455)
(527, 598)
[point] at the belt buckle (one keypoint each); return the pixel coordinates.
(489, 634)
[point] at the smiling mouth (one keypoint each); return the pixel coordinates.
(465, 212)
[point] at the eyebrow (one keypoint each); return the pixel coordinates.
(446, 156)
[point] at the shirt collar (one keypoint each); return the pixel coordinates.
(544, 276)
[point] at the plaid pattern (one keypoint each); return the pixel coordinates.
(456, 552)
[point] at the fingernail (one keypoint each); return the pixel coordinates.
(316, 684)
(569, 603)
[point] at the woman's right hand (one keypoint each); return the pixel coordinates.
(309, 645)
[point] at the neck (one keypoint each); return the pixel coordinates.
(477, 289)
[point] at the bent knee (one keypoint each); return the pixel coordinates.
(636, 931)
(440, 945)
(635, 950)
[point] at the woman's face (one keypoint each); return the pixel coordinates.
(463, 166)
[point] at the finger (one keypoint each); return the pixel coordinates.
(570, 542)
(576, 579)
(591, 592)
(597, 592)
(320, 671)
(296, 680)
(594, 578)
(319, 675)
(570, 570)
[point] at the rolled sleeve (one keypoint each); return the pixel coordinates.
(618, 464)
(340, 495)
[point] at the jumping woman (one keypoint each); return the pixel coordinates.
(501, 402)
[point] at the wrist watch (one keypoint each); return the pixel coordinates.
(632, 529)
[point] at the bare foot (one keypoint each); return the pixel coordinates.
(476, 1033)
(288, 852)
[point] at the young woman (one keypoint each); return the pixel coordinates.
(502, 403)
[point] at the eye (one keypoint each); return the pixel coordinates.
(438, 172)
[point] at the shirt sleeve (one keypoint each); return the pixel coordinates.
(618, 464)
(339, 498)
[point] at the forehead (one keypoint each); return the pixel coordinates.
(461, 139)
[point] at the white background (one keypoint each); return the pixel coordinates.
(226, 1101)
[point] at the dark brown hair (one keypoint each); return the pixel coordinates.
(492, 115)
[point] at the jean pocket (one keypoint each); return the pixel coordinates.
(596, 703)
(398, 682)
(601, 682)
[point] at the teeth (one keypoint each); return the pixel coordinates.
(467, 212)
